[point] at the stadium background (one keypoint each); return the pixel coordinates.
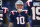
(10, 4)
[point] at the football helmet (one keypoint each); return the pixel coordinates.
(19, 4)
(1, 3)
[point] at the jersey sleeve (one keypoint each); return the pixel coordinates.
(11, 17)
(26, 15)
(27, 18)
(5, 9)
(29, 8)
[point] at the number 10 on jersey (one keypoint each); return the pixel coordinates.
(20, 20)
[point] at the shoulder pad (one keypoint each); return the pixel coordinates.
(13, 12)
(4, 8)
(26, 11)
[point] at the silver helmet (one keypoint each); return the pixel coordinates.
(1, 3)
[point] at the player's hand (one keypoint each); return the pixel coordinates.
(29, 16)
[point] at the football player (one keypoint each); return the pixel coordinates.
(3, 15)
(19, 18)
(34, 11)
